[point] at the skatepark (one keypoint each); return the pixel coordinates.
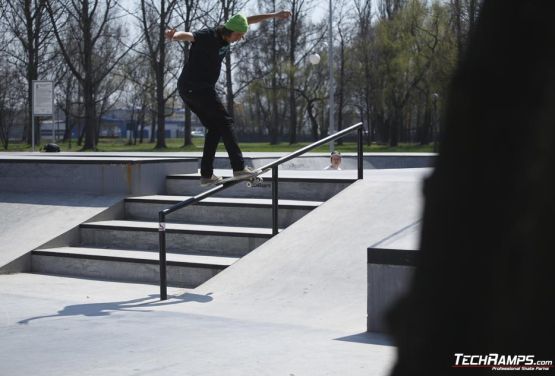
(78, 262)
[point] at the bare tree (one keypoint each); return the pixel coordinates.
(155, 16)
(67, 99)
(274, 92)
(28, 22)
(139, 85)
(227, 9)
(388, 9)
(91, 20)
(464, 13)
(313, 90)
(297, 29)
(343, 27)
(363, 51)
(188, 13)
(10, 87)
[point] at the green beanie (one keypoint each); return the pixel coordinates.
(237, 23)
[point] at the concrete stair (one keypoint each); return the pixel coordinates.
(201, 240)
(290, 187)
(247, 212)
(180, 238)
(185, 270)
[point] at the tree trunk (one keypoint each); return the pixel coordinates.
(159, 67)
(33, 30)
(88, 84)
(153, 127)
(274, 93)
(292, 109)
(395, 126)
(160, 105)
(427, 124)
(292, 73)
(341, 85)
(313, 120)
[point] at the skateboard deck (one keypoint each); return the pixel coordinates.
(252, 179)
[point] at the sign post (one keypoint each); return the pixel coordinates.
(43, 103)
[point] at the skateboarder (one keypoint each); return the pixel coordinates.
(197, 87)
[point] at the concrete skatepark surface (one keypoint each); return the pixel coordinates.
(294, 306)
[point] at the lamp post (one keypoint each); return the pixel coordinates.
(331, 128)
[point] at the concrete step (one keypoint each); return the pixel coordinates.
(127, 265)
(219, 211)
(319, 186)
(180, 238)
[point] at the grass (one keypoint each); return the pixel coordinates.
(176, 145)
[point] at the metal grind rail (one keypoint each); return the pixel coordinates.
(270, 166)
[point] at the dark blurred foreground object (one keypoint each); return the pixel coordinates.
(51, 148)
(486, 279)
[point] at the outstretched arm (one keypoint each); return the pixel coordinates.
(185, 36)
(262, 17)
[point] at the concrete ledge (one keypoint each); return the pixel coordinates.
(389, 276)
(85, 159)
(91, 175)
(384, 256)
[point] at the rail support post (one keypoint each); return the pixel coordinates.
(162, 239)
(360, 155)
(275, 202)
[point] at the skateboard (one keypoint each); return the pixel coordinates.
(252, 180)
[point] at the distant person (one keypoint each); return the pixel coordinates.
(335, 161)
(197, 87)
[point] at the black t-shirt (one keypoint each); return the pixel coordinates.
(206, 54)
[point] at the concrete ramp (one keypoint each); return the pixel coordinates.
(30, 220)
(314, 273)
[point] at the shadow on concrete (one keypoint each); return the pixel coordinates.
(368, 338)
(135, 305)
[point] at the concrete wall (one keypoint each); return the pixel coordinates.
(90, 175)
(390, 273)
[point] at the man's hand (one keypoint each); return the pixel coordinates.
(169, 34)
(282, 15)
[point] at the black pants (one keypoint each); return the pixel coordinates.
(217, 121)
